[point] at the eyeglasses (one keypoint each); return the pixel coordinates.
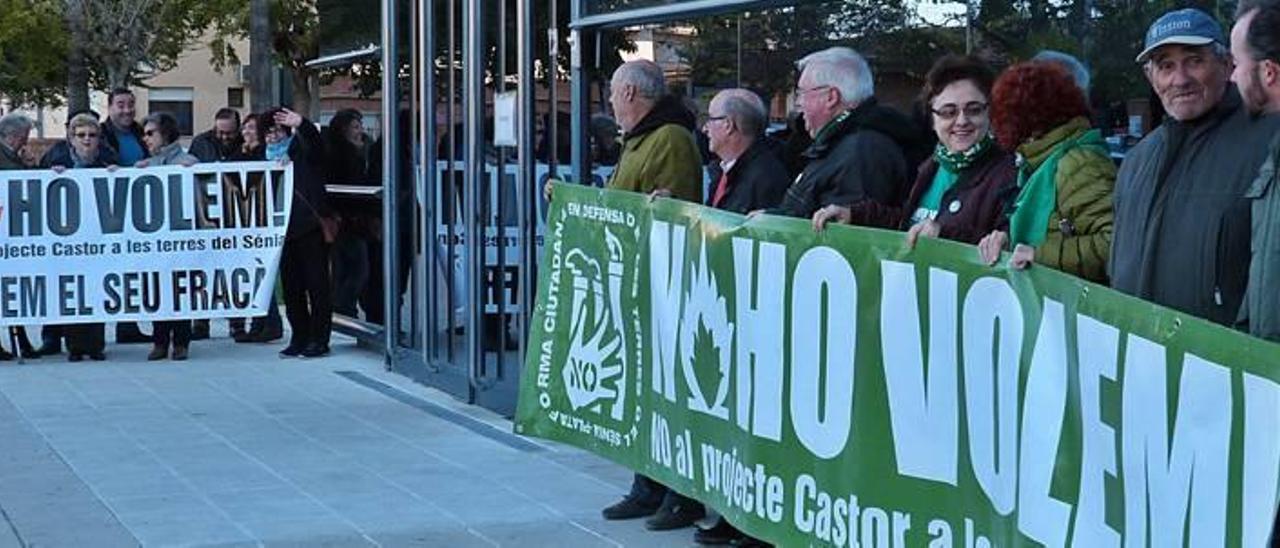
(800, 92)
(86, 135)
(716, 118)
(149, 132)
(950, 112)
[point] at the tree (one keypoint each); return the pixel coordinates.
(33, 48)
(772, 41)
(295, 38)
(292, 30)
(115, 43)
(259, 54)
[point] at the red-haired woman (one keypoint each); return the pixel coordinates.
(1063, 213)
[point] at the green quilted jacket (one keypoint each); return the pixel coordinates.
(1079, 237)
(660, 152)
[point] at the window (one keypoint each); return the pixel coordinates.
(235, 97)
(175, 101)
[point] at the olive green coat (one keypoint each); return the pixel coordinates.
(1079, 238)
(665, 158)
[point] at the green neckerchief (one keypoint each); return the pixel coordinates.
(1037, 199)
(831, 126)
(956, 162)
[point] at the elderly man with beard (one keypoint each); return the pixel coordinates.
(1255, 46)
(1181, 234)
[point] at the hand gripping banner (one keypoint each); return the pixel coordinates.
(162, 243)
(839, 389)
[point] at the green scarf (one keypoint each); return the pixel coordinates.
(956, 162)
(831, 126)
(1037, 199)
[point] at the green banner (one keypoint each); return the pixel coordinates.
(839, 389)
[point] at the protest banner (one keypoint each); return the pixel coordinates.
(173, 242)
(839, 389)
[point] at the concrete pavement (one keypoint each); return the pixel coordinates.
(238, 447)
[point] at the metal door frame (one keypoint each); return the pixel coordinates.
(466, 375)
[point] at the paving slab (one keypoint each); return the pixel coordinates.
(237, 447)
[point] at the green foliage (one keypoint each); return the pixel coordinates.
(33, 50)
(1107, 38)
(1106, 34)
(772, 41)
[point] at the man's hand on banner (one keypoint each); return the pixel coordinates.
(659, 193)
(112, 168)
(145, 162)
(831, 213)
(991, 245)
(928, 228)
(59, 169)
(1023, 256)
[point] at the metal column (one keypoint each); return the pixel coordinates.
(473, 101)
(390, 170)
(580, 100)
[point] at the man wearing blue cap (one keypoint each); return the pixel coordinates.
(1182, 223)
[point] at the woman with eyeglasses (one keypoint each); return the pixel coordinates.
(961, 191)
(160, 136)
(86, 152)
(1062, 215)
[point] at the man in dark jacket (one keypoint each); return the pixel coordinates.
(14, 130)
(752, 177)
(1255, 47)
(123, 134)
(219, 144)
(861, 150)
(1182, 221)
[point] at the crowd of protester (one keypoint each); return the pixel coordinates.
(1009, 163)
(1189, 220)
(280, 135)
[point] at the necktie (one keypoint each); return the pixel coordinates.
(722, 188)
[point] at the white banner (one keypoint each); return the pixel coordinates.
(160, 243)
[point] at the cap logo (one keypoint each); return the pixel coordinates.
(1166, 28)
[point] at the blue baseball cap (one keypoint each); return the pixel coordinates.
(1188, 27)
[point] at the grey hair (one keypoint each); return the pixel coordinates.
(745, 108)
(1079, 71)
(645, 75)
(14, 124)
(1220, 51)
(843, 69)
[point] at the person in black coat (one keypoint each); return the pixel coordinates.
(861, 150)
(304, 262)
(752, 175)
(219, 144)
(752, 178)
(347, 149)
